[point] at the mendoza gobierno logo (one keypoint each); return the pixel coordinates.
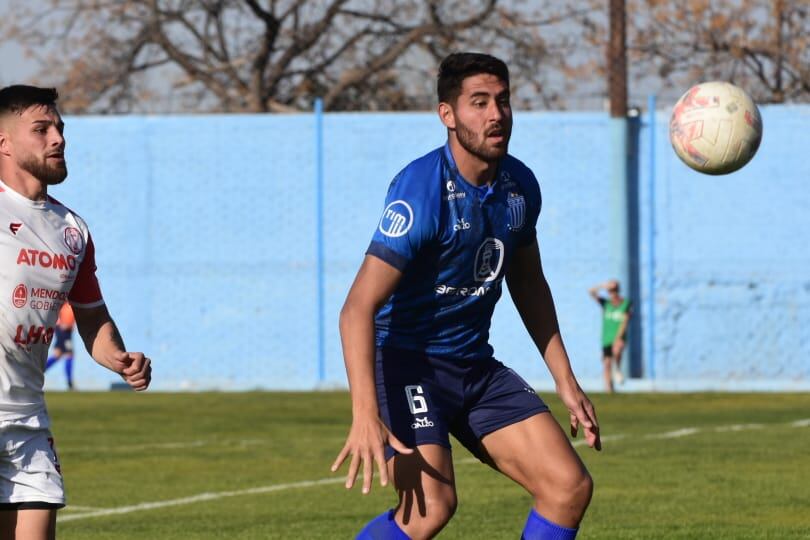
(397, 219)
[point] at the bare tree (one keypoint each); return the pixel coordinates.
(277, 55)
(761, 45)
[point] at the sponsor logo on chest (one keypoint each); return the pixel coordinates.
(461, 225)
(33, 335)
(41, 298)
(46, 259)
(452, 191)
(488, 260)
(53, 258)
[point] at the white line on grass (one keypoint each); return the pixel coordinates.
(326, 481)
(738, 427)
(199, 498)
(160, 446)
(673, 434)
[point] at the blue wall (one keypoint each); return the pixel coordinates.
(732, 262)
(206, 235)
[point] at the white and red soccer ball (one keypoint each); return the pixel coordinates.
(715, 128)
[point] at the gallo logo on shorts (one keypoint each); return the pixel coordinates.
(20, 296)
(74, 240)
(397, 219)
(488, 260)
(422, 422)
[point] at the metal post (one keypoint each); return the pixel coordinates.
(617, 92)
(320, 241)
(649, 344)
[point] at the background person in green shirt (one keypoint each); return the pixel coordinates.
(616, 312)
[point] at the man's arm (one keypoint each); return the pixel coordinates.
(594, 292)
(104, 343)
(374, 284)
(532, 297)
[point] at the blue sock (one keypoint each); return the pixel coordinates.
(51, 361)
(539, 528)
(69, 370)
(382, 527)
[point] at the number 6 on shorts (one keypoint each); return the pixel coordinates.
(416, 401)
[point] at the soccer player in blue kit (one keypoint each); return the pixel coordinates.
(415, 328)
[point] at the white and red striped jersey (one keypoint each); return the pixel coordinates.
(48, 259)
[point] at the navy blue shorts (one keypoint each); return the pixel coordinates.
(423, 399)
(62, 339)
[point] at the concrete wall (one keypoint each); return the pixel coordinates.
(732, 262)
(206, 234)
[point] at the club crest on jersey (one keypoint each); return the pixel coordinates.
(74, 240)
(20, 296)
(397, 219)
(517, 210)
(488, 260)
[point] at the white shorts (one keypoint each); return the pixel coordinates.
(29, 469)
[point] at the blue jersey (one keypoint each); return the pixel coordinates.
(453, 243)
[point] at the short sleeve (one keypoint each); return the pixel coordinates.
(86, 292)
(409, 220)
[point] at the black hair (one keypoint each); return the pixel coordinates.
(19, 97)
(458, 66)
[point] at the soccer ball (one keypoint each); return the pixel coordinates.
(715, 128)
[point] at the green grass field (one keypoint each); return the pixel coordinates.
(256, 466)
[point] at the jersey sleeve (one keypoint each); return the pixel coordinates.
(409, 220)
(86, 292)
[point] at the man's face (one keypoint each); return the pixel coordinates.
(37, 144)
(482, 117)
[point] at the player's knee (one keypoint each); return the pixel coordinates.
(571, 490)
(447, 509)
(425, 520)
(439, 510)
(582, 490)
(574, 491)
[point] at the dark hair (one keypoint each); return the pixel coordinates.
(458, 66)
(19, 97)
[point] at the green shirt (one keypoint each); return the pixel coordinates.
(612, 317)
